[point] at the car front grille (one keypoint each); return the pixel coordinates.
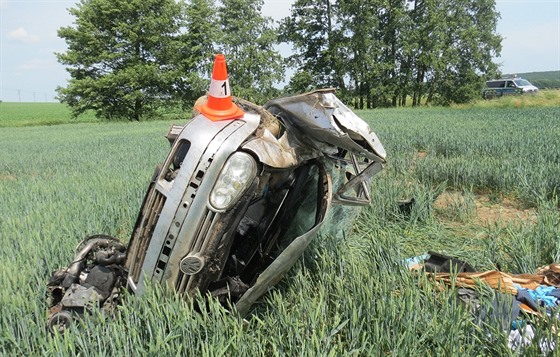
(198, 244)
(142, 235)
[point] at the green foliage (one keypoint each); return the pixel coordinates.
(301, 82)
(384, 51)
(366, 50)
(201, 34)
(348, 295)
(470, 43)
(525, 248)
(248, 41)
(124, 57)
(316, 38)
(543, 98)
(478, 147)
(128, 59)
(34, 114)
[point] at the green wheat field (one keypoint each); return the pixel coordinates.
(486, 183)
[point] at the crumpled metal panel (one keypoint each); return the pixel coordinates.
(78, 296)
(272, 151)
(284, 152)
(327, 123)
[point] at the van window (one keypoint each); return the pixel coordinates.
(510, 84)
(495, 84)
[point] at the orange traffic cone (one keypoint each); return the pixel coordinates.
(220, 105)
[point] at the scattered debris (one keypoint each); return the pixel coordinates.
(517, 297)
(405, 206)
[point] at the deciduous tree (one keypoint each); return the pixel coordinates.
(123, 57)
(313, 29)
(387, 50)
(202, 32)
(248, 40)
(471, 43)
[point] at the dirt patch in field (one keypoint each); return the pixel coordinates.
(482, 210)
(446, 199)
(507, 211)
(418, 155)
(421, 154)
(7, 177)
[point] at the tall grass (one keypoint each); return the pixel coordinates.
(348, 295)
(512, 151)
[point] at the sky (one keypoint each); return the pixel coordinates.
(29, 71)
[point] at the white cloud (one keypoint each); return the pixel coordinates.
(20, 34)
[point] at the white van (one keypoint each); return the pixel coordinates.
(509, 86)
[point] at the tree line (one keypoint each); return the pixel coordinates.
(128, 59)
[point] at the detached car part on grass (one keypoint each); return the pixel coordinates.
(233, 206)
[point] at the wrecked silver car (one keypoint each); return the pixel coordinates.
(232, 207)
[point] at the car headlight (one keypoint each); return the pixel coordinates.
(235, 177)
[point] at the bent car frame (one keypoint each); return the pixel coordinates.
(232, 207)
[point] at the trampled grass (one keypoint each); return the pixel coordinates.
(347, 296)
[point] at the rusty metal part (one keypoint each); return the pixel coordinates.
(92, 243)
(94, 276)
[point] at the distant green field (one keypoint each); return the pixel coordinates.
(348, 296)
(32, 114)
(29, 114)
